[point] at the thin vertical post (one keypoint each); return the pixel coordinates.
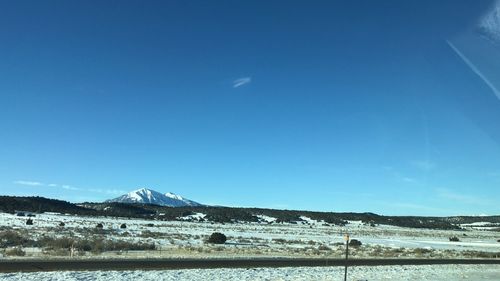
(346, 255)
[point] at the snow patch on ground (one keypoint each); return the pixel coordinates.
(195, 216)
(266, 218)
(310, 221)
(400, 273)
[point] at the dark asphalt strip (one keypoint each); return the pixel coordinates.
(164, 264)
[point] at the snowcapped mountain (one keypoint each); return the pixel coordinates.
(148, 196)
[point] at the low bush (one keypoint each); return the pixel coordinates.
(17, 251)
(324, 248)
(53, 243)
(12, 238)
(150, 234)
(279, 240)
(217, 238)
(127, 246)
(96, 245)
(355, 243)
(422, 251)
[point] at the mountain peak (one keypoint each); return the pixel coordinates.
(149, 196)
(174, 196)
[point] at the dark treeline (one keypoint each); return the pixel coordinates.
(12, 204)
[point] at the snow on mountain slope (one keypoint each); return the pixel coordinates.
(148, 196)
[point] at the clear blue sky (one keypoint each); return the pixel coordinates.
(317, 105)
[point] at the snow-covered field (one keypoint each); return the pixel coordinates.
(309, 238)
(399, 273)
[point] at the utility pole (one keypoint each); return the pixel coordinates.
(346, 238)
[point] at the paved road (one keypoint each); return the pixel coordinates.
(158, 264)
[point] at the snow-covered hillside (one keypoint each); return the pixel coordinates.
(148, 196)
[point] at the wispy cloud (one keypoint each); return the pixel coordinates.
(461, 197)
(475, 69)
(398, 176)
(70, 187)
(425, 165)
(407, 179)
(108, 191)
(489, 24)
(241, 81)
(29, 183)
(419, 207)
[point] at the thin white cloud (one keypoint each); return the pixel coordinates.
(461, 198)
(398, 176)
(475, 69)
(70, 187)
(425, 165)
(489, 24)
(241, 81)
(407, 179)
(108, 191)
(29, 183)
(413, 206)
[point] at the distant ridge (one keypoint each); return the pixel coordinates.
(149, 196)
(220, 214)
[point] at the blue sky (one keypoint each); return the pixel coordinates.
(323, 105)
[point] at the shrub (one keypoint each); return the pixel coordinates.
(128, 246)
(29, 222)
(217, 238)
(279, 240)
(60, 252)
(454, 239)
(422, 251)
(61, 224)
(150, 234)
(355, 243)
(97, 246)
(56, 243)
(99, 225)
(187, 213)
(84, 245)
(324, 248)
(17, 251)
(123, 226)
(11, 238)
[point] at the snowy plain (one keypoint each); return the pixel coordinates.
(309, 238)
(397, 273)
(186, 238)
